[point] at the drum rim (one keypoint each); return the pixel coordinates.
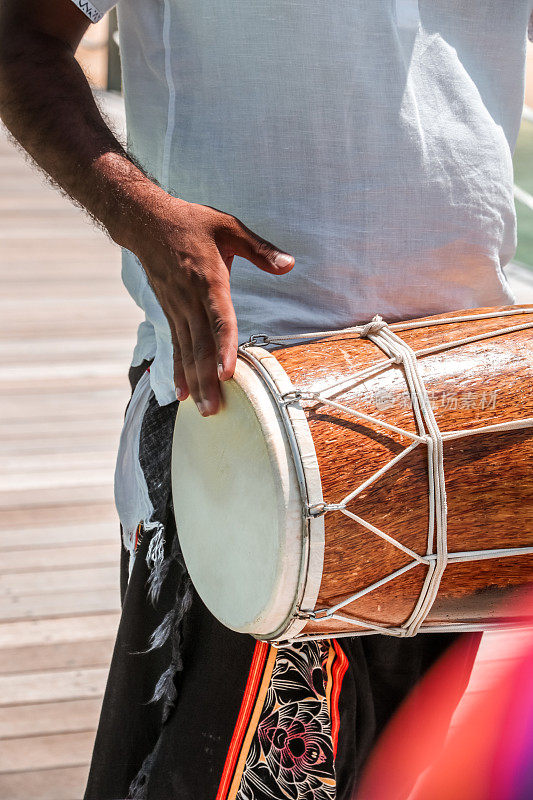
(298, 434)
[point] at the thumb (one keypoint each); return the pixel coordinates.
(263, 254)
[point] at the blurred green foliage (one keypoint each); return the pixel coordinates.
(523, 167)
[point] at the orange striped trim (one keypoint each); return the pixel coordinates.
(254, 722)
(137, 534)
(338, 671)
(329, 679)
(248, 702)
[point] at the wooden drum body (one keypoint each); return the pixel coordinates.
(342, 490)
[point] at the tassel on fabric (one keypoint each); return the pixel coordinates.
(171, 626)
(142, 482)
(155, 560)
(139, 785)
(162, 632)
(165, 687)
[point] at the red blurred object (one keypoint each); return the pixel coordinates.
(488, 754)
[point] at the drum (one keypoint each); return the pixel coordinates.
(377, 479)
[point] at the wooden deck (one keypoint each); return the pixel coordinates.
(66, 334)
(67, 329)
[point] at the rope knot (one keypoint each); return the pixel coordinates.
(374, 326)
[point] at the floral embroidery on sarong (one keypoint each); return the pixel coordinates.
(291, 753)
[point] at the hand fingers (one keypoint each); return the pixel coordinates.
(223, 323)
(263, 254)
(204, 355)
(204, 336)
(187, 359)
(180, 381)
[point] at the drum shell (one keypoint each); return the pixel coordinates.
(489, 476)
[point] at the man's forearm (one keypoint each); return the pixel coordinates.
(186, 249)
(47, 105)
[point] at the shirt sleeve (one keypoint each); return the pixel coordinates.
(530, 28)
(95, 10)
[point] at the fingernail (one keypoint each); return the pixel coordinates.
(282, 260)
(200, 407)
(209, 407)
(220, 370)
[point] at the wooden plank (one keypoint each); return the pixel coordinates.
(63, 368)
(49, 687)
(103, 400)
(80, 383)
(21, 443)
(46, 752)
(66, 513)
(21, 584)
(17, 373)
(95, 473)
(109, 326)
(81, 555)
(106, 324)
(26, 201)
(30, 633)
(33, 230)
(93, 308)
(67, 429)
(72, 423)
(33, 255)
(41, 442)
(53, 496)
(58, 461)
(45, 718)
(70, 402)
(59, 604)
(84, 487)
(57, 478)
(67, 783)
(55, 349)
(56, 535)
(19, 272)
(73, 655)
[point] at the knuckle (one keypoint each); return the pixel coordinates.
(221, 326)
(187, 359)
(202, 351)
(232, 223)
(187, 263)
(199, 281)
(263, 248)
(182, 330)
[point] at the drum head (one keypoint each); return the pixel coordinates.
(238, 506)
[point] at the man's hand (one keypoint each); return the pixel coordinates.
(186, 252)
(185, 249)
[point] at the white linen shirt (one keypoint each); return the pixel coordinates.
(370, 139)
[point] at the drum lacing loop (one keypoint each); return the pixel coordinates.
(319, 509)
(316, 510)
(257, 339)
(295, 396)
(320, 613)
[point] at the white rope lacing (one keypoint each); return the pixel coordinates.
(436, 556)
